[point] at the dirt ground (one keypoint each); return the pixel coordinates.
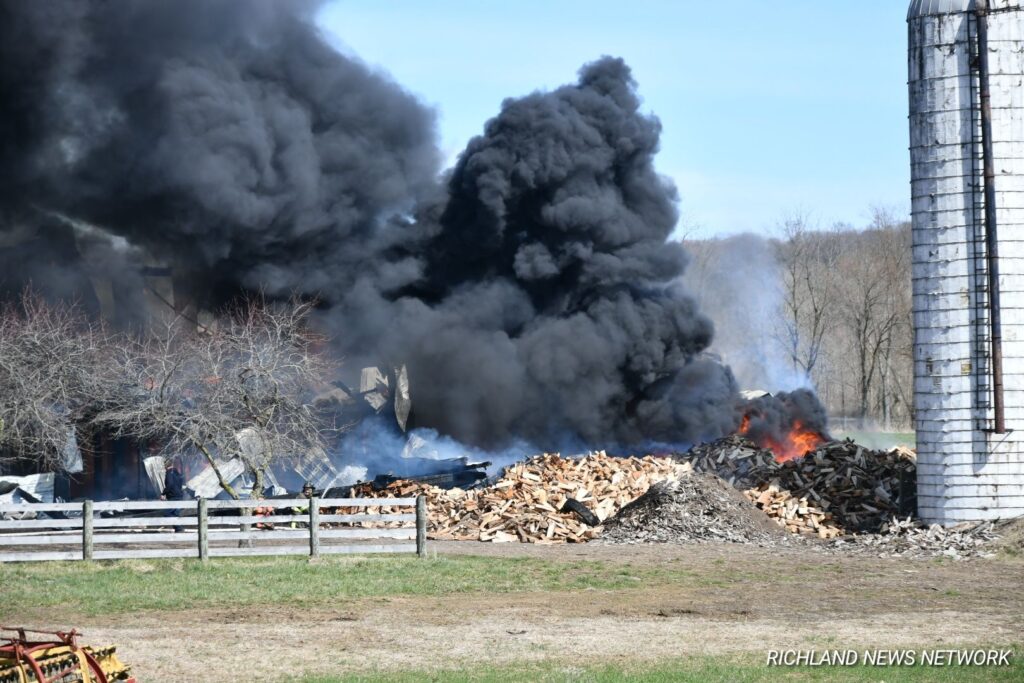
(742, 599)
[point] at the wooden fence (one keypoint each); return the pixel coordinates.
(210, 528)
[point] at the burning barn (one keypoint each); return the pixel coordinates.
(966, 68)
(189, 155)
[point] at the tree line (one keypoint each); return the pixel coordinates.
(832, 308)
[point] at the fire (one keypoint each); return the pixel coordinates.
(800, 441)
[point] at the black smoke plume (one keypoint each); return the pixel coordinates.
(532, 291)
(549, 304)
(769, 419)
(226, 136)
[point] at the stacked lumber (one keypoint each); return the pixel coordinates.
(526, 503)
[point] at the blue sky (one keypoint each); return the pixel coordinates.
(768, 107)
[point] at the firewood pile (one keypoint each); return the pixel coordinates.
(532, 501)
(838, 489)
(795, 515)
(735, 459)
(841, 487)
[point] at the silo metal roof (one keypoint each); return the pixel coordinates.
(927, 8)
(930, 8)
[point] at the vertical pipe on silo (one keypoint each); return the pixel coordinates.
(991, 226)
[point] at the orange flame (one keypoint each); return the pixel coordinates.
(796, 444)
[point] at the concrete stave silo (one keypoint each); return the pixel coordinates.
(968, 255)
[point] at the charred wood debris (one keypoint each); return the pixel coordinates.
(841, 497)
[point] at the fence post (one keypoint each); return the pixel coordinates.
(87, 530)
(204, 539)
(421, 525)
(245, 542)
(314, 527)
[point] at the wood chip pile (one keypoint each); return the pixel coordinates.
(839, 488)
(526, 504)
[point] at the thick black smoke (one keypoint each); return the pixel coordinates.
(226, 135)
(532, 291)
(549, 305)
(770, 418)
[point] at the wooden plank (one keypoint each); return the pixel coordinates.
(304, 517)
(122, 505)
(75, 539)
(147, 553)
(324, 550)
(144, 522)
(87, 521)
(405, 517)
(367, 502)
(70, 533)
(100, 523)
(42, 555)
(25, 524)
(294, 534)
(360, 549)
(277, 503)
(253, 551)
(143, 553)
(40, 507)
(407, 532)
(258, 519)
(165, 537)
(260, 535)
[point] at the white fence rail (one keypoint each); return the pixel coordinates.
(210, 528)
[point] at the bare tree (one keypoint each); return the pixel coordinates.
(807, 259)
(874, 307)
(54, 369)
(238, 389)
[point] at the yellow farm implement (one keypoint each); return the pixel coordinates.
(28, 656)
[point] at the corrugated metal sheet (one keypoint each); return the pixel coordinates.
(925, 8)
(964, 471)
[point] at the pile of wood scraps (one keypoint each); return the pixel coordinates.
(546, 499)
(795, 515)
(735, 459)
(839, 488)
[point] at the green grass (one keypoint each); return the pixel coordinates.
(739, 668)
(125, 586)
